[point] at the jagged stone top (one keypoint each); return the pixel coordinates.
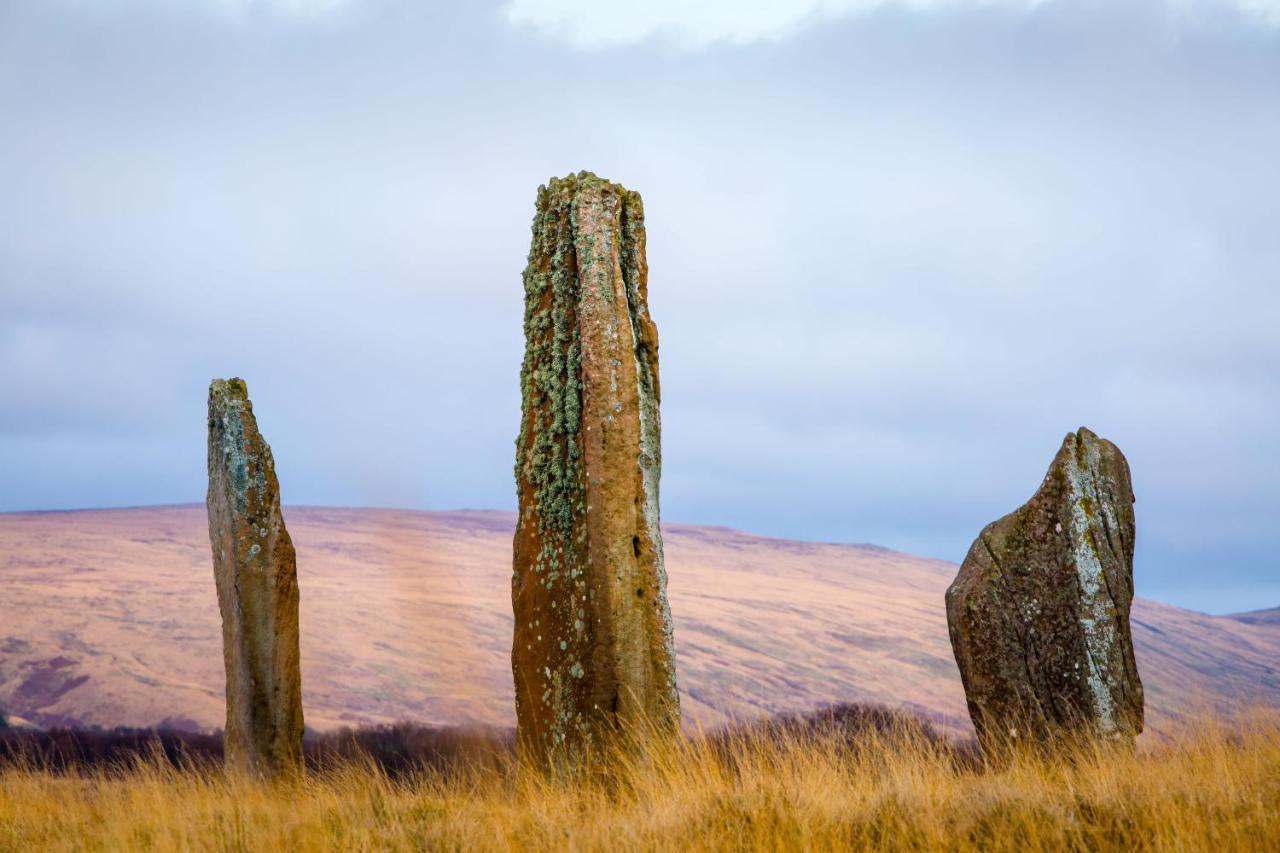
(229, 394)
(235, 443)
(574, 183)
(229, 405)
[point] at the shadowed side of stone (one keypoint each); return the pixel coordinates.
(256, 574)
(1039, 611)
(592, 653)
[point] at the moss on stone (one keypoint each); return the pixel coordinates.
(583, 226)
(560, 259)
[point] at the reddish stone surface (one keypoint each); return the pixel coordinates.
(592, 653)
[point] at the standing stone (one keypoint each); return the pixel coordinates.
(256, 575)
(1039, 612)
(593, 653)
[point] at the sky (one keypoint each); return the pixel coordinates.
(897, 251)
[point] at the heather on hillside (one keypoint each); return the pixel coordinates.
(397, 751)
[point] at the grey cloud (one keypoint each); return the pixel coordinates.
(894, 260)
(591, 24)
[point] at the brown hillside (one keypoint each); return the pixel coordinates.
(109, 617)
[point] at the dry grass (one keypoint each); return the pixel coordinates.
(1216, 787)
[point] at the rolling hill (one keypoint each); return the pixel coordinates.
(109, 617)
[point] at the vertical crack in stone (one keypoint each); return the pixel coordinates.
(255, 572)
(592, 654)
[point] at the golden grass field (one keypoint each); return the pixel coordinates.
(110, 619)
(1210, 787)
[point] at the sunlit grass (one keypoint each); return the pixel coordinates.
(1214, 787)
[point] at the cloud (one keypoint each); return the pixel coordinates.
(595, 23)
(238, 10)
(1266, 11)
(295, 8)
(894, 259)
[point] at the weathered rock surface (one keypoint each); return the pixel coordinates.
(592, 653)
(256, 574)
(1039, 612)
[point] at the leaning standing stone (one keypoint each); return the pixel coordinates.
(592, 654)
(256, 575)
(1039, 612)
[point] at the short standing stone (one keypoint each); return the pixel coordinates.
(1039, 612)
(592, 653)
(256, 575)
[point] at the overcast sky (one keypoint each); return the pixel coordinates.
(897, 249)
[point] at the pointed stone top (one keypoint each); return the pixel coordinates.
(1087, 437)
(1084, 454)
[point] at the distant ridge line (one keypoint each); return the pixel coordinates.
(688, 526)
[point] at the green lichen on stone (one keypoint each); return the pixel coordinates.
(585, 286)
(549, 377)
(561, 258)
(246, 467)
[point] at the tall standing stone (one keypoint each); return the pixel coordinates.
(1039, 612)
(592, 654)
(256, 575)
